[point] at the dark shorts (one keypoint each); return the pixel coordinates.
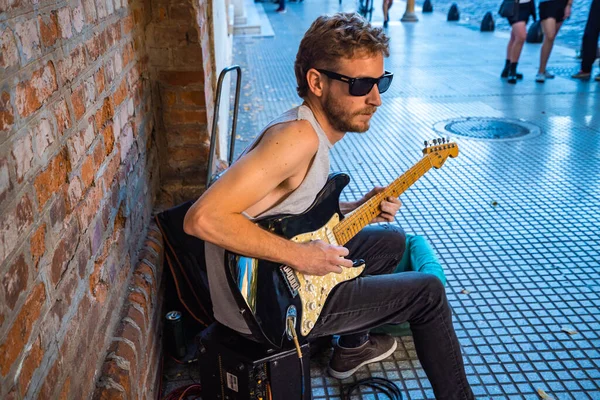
(524, 14)
(553, 9)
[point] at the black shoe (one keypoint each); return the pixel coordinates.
(512, 78)
(505, 72)
(281, 10)
(385, 24)
(346, 361)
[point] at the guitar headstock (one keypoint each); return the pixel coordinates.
(439, 151)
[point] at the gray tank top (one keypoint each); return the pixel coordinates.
(225, 307)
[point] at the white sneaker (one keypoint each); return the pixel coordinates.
(549, 75)
(541, 78)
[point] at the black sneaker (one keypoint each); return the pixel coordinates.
(512, 79)
(504, 74)
(345, 362)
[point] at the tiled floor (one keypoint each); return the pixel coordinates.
(516, 223)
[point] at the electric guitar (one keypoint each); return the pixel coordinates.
(271, 295)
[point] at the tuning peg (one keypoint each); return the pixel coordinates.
(426, 143)
(434, 141)
(448, 139)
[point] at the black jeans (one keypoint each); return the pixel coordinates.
(590, 37)
(379, 297)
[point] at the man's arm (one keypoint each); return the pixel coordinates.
(216, 217)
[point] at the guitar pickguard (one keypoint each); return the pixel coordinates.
(314, 290)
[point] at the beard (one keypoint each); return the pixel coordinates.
(343, 120)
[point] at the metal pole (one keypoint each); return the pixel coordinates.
(409, 14)
(213, 136)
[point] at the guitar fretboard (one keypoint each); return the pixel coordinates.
(363, 215)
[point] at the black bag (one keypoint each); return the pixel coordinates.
(509, 9)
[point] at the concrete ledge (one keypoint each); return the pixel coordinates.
(256, 24)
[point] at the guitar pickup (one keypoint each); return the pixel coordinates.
(290, 279)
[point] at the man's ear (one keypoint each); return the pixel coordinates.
(315, 82)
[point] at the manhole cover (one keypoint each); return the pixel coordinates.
(488, 128)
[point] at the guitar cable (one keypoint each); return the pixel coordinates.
(299, 351)
(382, 385)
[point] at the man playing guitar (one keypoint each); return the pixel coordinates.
(340, 74)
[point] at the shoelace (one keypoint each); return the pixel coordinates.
(382, 385)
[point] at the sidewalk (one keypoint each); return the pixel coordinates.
(515, 222)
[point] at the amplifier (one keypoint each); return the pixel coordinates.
(235, 368)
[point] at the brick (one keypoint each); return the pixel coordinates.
(114, 33)
(32, 361)
(22, 155)
(19, 334)
(48, 29)
(124, 350)
(78, 101)
(63, 253)
(90, 91)
(182, 78)
(194, 98)
(121, 93)
(173, 36)
(33, 93)
(9, 55)
(63, 118)
(105, 113)
(101, 7)
(118, 375)
(27, 33)
(112, 167)
(83, 256)
(179, 117)
(118, 64)
(128, 54)
(109, 68)
(181, 11)
(109, 140)
(15, 281)
(64, 296)
(72, 65)
(183, 136)
(89, 206)
(7, 116)
(5, 182)
(98, 287)
(50, 181)
(96, 45)
(108, 393)
(49, 385)
(58, 211)
(64, 392)
(99, 78)
(169, 98)
(89, 10)
(87, 172)
(43, 137)
(127, 23)
(99, 155)
(64, 23)
(78, 144)
(38, 244)
(126, 141)
(74, 192)
(78, 17)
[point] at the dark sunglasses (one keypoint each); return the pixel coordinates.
(361, 86)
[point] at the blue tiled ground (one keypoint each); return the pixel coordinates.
(516, 223)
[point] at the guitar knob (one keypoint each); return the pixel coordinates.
(312, 306)
(309, 324)
(310, 287)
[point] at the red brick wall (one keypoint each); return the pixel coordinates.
(179, 43)
(78, 175)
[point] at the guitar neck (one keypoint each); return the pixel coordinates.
(363, 215)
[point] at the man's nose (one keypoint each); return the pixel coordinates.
(374, 98)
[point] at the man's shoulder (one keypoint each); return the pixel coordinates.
(293, 132)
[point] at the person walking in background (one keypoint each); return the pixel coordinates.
(552, 15)
(590, 43)
(281, 9)
(387, 4)
(518, 34)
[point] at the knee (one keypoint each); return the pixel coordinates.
(434, 289)
(520, 37)
(396, 237)
(550, 37)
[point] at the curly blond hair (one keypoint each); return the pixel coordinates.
(333, 37)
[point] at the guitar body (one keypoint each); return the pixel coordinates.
(269, 293)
